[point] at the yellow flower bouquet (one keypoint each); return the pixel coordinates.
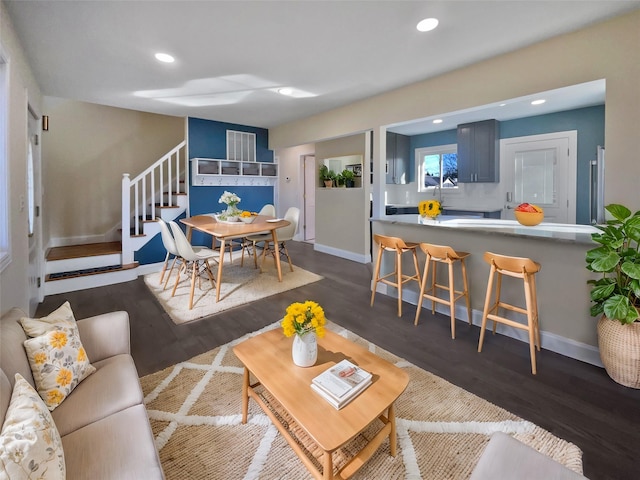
(430, 208)
(301, 318)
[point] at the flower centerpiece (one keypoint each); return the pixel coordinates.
(304, 321)
(430, 208)
(231, 200)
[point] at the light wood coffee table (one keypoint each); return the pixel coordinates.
(313, 428)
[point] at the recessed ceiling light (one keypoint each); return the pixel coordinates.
(437, 120)
(538, 102)
(285, 91)
(427, 24)
(503, 104)
(165, 57)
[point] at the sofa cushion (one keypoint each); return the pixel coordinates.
(58, 363)
(62, 316)
(13, 357)
(118, 447)
(112, 388)
(30, 445)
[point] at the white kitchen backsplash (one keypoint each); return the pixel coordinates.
(477, 195)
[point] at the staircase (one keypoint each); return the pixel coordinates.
(160, 191)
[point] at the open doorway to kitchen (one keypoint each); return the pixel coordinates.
(34, 220)
(541, 169)
(309, 198)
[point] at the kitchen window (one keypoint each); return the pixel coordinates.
(437, 167)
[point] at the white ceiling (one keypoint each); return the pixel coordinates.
(232, 56)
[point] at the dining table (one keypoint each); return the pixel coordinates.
(224, 230)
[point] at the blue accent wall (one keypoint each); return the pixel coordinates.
(589, 123)
(208, 139)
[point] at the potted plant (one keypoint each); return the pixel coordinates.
(616, 295)
(340, 182)
(326, 176)
(349, 178)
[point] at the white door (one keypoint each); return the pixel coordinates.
(541, 169)
(310, 178)
(33, 202)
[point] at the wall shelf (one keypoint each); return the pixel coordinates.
(217, 172)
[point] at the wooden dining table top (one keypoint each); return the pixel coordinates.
(209, 224)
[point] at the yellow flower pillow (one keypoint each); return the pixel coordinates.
(34, 327)
(30, 445)
(58, 363)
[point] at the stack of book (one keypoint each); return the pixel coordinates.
(341, 383)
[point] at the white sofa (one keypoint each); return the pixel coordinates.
(103, 423)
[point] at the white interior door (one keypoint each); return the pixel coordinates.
(541, 169)
(309, 227)
(33, 202)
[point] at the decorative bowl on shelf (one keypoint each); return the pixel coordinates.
(529, 219)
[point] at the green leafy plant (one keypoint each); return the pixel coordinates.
(325, 173)
(617, 293)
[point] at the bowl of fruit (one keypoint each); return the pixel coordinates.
(528, 214)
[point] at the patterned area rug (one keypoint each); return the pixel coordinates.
(195, 413)
(240, 285)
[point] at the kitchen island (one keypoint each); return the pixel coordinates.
(563, 294)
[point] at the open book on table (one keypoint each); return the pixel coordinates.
(341, 383)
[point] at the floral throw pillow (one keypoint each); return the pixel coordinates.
(58, 363)
(30, 445)
(34, 327)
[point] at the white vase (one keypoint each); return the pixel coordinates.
(305, 349)
(233, 211)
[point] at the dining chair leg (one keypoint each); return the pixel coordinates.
(170, 272)
(175, 286)
(286, 252)
(434, 276)
(164, 267)
(193, 283)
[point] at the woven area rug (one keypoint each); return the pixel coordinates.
(195, 413)
(240, 285)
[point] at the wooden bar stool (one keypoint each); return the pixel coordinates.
(399, 246)
(447, 255)
(516, 267)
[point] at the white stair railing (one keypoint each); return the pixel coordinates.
(162, 181)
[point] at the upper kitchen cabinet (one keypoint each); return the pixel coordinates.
(479, 152)
(397, 164)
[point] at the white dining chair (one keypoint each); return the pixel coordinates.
(195, 257)
(248, 245)
(283, 235)
(170, 246)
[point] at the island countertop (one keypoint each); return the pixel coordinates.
(552, 231)
(563, 292)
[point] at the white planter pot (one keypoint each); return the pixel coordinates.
(304, 350)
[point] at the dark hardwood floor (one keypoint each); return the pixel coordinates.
(576, 401)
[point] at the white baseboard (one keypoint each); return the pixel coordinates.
(356, 257)
(549, 341)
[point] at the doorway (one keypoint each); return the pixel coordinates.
(309, 198)
(541, 169)
(34, 220)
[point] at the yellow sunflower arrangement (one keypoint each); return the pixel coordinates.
(301, 318)
(430, 208)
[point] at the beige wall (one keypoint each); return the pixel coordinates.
(608, 50)
(23, 91)
(342, 213)
(85, 152)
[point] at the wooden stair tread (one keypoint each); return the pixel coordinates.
(81, 251)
